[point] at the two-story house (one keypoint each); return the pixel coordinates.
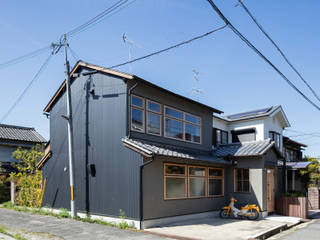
(148, 151)
(138, 147)
(238, 137)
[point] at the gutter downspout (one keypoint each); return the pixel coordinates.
(141, 188)
(129, 109)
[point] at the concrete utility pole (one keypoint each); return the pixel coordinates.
(70, 128)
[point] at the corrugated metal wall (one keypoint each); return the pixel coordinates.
(99, 125)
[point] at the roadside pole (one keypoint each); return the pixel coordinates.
(70, 129)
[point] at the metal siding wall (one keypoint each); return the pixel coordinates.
(176, 102)
(154, 204)
(99, 126)
(256, 196)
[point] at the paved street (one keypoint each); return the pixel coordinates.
(302, 232)
(311, 231)
(47, 227)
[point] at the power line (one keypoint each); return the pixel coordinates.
(245, 40)
(24, 57)
(278, 48)
(97, 18)
(43, 66)
(169, 48)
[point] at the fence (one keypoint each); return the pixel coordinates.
(292, 206)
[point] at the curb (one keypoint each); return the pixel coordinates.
(270, 232)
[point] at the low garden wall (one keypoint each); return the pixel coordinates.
(292, 206)
(313, 198)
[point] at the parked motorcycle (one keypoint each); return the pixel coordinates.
(250, 212)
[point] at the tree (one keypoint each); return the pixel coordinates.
(28, 179)
(311, 175)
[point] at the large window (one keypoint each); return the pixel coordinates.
(181, 125)
(153, 118)
(146, 116)
(182, 181)
(275, 137)
(242, 182)
(137, 113)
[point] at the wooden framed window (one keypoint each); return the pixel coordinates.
(242, 180)
(137, 113)
(175, 181)
(192, 128)
(153, 118)
(215, 182)
(197, 181)
(173, 123)
(183, 181)
(181, 125)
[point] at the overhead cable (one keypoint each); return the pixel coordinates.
(245, 40)
(36, 76)
(278, 48)
(169, 48)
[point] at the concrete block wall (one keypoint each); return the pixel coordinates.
(313, 198)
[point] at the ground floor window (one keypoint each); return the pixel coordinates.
(184, 181)
(241, 180)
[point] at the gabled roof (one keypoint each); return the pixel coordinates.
(18, 133)
(149, 149)
(80, 64)
(258, 113)
(287, 140)
(245, 149)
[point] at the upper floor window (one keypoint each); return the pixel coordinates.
(146, 116)
(275, 137)
(153, 118)
(181, 125)
(244, 135)
(219, 137)
(137, 113)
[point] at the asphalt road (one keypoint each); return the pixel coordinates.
(311, 231)
(48, 227)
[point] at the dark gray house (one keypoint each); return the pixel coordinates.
(147, 151)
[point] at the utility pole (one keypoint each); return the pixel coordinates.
(70, 127)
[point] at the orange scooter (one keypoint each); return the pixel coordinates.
(250, 212)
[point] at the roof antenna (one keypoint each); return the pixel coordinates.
(131, 44)
(196, 90)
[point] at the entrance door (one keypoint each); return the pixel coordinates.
(270, 190)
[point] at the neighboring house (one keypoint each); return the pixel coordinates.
(149, 151)
(253, 140)
(12, 137)
(294, 163)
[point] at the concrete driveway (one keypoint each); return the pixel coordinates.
(37, 227)
(224, 229)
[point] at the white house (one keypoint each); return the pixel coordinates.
(250, 126)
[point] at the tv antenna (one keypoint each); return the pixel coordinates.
(196, 90)
(131, 44)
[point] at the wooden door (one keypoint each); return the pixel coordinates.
(270, 190)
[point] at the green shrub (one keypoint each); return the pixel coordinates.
(28, 179)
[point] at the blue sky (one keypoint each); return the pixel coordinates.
(233, 78)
